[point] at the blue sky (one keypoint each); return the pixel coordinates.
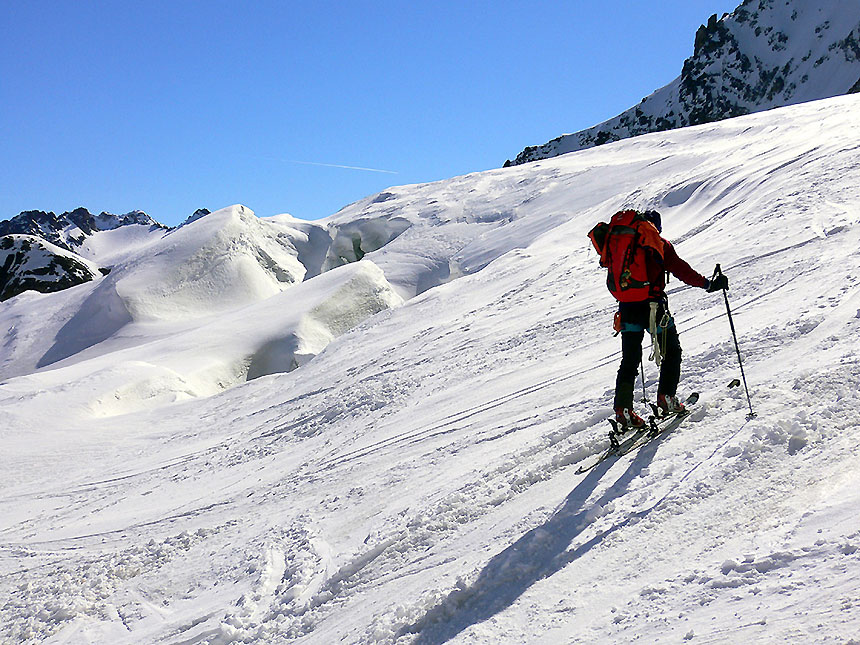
(172, 106)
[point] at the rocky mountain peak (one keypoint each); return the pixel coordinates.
(765, 54)
(30, 263)
(69, 229)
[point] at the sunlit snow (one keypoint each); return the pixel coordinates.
(243, 433)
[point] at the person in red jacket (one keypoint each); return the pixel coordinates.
(637, 317)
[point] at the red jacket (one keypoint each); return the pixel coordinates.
(674, 265)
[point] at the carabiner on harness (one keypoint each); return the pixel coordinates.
(656, 329)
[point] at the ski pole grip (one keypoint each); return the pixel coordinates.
(717, 271)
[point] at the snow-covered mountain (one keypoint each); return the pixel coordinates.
(366, 429)
(765, 54)
(54, 252)
(28, 262)
(182, 281)
(71, 229)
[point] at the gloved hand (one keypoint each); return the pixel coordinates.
(719, 282)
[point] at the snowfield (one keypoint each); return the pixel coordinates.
(244, 435)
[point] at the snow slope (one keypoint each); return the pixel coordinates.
(414, 482)
(153, 331)
(765, 54)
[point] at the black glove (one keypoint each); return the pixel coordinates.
(719, 282)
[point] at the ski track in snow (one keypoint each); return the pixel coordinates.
(414, 482)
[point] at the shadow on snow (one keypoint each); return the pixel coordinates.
(536, 555)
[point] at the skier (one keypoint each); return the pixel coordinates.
(643, 305)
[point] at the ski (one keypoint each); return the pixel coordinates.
(624, 443)
(623, 447)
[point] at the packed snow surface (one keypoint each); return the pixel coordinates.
(169, 476)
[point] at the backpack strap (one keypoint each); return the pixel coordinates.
(649, 236)
(597, 235)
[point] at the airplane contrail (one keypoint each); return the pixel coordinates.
(337, 165)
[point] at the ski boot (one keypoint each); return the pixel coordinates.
(627, 419)
(668, 404)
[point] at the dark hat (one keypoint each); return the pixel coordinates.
(654, 218)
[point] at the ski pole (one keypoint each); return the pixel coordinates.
(642, 368)
(718, 272)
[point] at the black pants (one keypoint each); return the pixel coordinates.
(631, 356)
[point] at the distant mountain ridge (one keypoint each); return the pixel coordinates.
(765, 54)
(70, 229)
(45, 252)
(286, 249)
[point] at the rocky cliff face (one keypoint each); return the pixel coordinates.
(765, 54)
(29, 263)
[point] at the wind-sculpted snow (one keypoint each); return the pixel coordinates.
(225, 260)
(415, 482)
(275, 335)
(355, 239)
(228, 260)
